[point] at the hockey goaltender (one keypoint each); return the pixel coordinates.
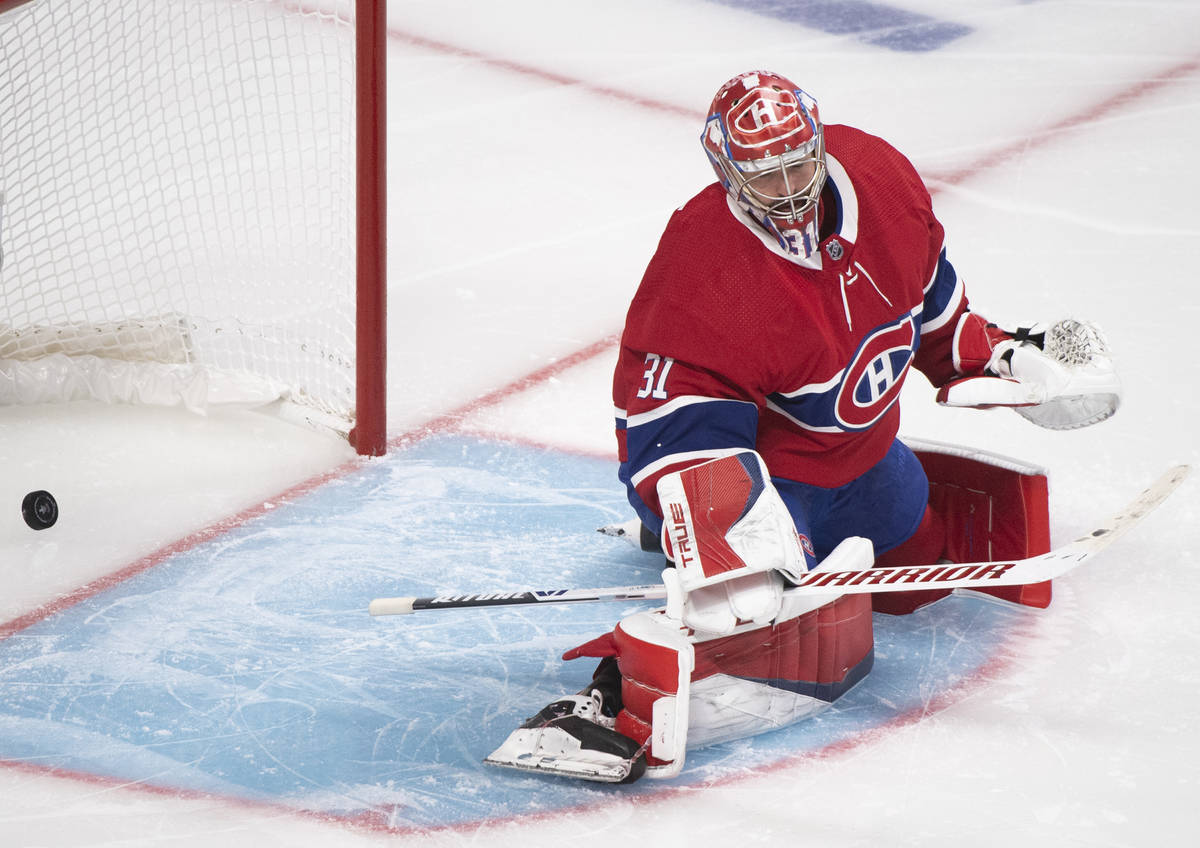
(757, 395)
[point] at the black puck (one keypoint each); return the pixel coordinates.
(39, 509)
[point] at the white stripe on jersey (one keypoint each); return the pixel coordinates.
(674, 405)
(687, 456)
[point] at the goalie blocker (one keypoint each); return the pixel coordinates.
(664, 684)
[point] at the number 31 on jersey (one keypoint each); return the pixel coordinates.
(657, 368)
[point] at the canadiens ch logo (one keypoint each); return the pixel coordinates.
(768, 110)
(875, 375)
(861, 393)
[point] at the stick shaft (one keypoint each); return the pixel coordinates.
(829, 581)
(406, 605)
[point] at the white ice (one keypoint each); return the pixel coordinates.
(524, 207)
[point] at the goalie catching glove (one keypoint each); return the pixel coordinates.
(1059, 377)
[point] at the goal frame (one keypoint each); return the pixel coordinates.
(369, 436)
(368, 420)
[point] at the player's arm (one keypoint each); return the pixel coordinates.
(1061, 376)
(671, 415)
(945, 304)
(692, 471)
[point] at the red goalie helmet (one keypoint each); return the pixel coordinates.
(765, 141)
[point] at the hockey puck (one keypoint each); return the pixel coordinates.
(39, 509)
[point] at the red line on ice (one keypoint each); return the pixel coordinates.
(452, 419)
(1078, 120)
(509, 65)
(147, 562)
(365, 821)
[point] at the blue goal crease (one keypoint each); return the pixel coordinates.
(879, 24)
(248, 666)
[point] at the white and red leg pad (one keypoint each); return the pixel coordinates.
(680, 689)
(923, 547)
(990, 507)
(656, 657)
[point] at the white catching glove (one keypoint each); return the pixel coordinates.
(1060, 377)
(732, 540)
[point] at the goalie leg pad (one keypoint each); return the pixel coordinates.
(656, 658)
(755, 680)
(765, 679)
(992, 508)
(924, 547)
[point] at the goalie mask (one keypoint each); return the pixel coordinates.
(765, 141)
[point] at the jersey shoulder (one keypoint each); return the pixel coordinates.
(875, 166)
(707, 292)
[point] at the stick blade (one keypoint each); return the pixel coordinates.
(1117, 525)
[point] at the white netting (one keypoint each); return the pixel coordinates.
(1075, 343)
(186, 164)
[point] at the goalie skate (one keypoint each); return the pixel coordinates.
(572, 738)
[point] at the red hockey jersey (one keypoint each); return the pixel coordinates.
(731, 343)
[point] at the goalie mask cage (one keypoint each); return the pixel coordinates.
(192, 205)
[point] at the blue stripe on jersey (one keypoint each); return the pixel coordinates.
(750, 465)
(942, 296)
(703, 425)
(706, 425)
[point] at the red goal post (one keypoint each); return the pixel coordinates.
(193, 206)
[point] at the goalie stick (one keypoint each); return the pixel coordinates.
(826, 580)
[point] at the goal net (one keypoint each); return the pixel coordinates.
(191, 205)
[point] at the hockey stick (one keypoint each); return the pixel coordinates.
(404, 606)
(826, 580)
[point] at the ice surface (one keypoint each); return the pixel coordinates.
(263, 680)
(537, 150)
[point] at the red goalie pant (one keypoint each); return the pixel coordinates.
(679, 689)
